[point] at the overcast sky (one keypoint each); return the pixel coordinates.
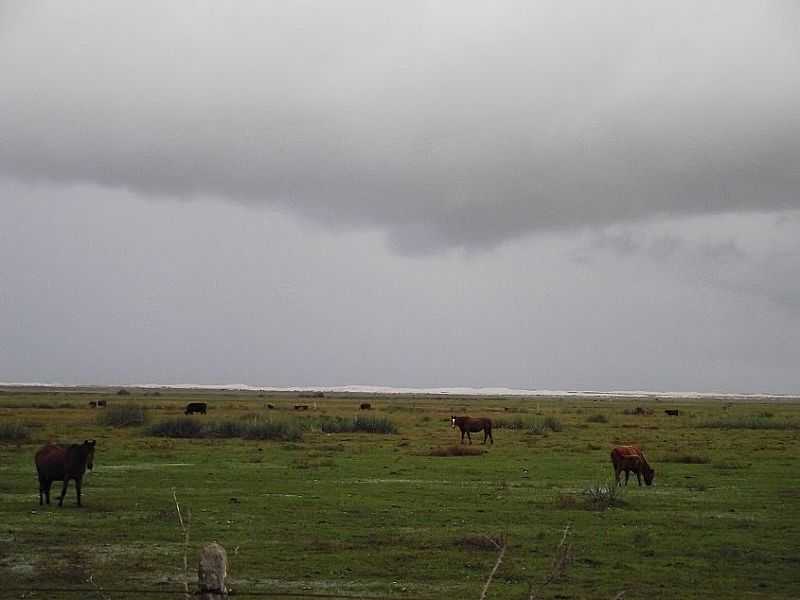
(562, 195)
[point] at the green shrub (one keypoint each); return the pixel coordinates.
(685, 458)
(602, 496)
(598, 418)
(14, 432)
(533, 425)
(122, 416)
(274, 430)
(256, 429)
(179, 427)
(357, 424)
(757, 422)
(456, 451)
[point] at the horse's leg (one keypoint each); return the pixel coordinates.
(41, 490)
(491, 437)
(78, 489)
(469, 437)
(617, 473)
(627, 474)
(47, 486)
(462, 436)
(63, 490)
(639, 478)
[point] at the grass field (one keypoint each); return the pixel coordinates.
(405, 514)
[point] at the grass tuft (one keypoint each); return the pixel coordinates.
(179, 427)
(685, 458)
(256, 429)
(122, 416)
(14, 432)
(357, 424)
(602, 496)
(598, 418)
(455, 451)
(532, 425)
(752, 422)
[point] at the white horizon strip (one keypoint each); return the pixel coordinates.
(389, 390)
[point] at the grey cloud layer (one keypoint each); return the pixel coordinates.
(444, 124)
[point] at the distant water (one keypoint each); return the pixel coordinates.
(444, 391)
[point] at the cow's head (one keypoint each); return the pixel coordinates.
(89, 446)
(648, 473)
(453, 422)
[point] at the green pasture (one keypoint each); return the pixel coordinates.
(383, 515)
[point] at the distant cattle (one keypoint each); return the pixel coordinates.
(631, 459)
(301, 406)
(92, 404)
(102, 403)
(196, 407)
(271, 406)
(366, 406)
(672, 412)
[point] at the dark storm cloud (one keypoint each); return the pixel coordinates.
(443, 123)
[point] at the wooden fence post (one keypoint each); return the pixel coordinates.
(211, 572)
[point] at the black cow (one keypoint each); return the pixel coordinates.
(366, 406)
(196, 407)
(672, 412)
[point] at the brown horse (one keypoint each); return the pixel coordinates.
(467, 424)
(59, 463)
(631, 458)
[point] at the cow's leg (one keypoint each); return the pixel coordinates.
(469, 437)
(627, 474)
(47, 485)
(63, 491)
(462, 436)
(639, 478)
(78, 489)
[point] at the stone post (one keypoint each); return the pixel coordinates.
(211, 572)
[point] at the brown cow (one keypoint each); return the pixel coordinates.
(470, 424)
(62, 463)
(631, 458)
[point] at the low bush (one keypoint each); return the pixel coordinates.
(533, 425)
(179, 427)
(685, 458)
(752, 422)
(602, 496)
(456, 451)
(122, 416)
(598, 418)
(256, 429)
(288, 431)
(14, 432)
(357, 424)
(639, 410)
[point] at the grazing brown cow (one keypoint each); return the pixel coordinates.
(467, 424)
(366, 406)
(92, 404)
(631, 458)
(59, 463)
(301, 406)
